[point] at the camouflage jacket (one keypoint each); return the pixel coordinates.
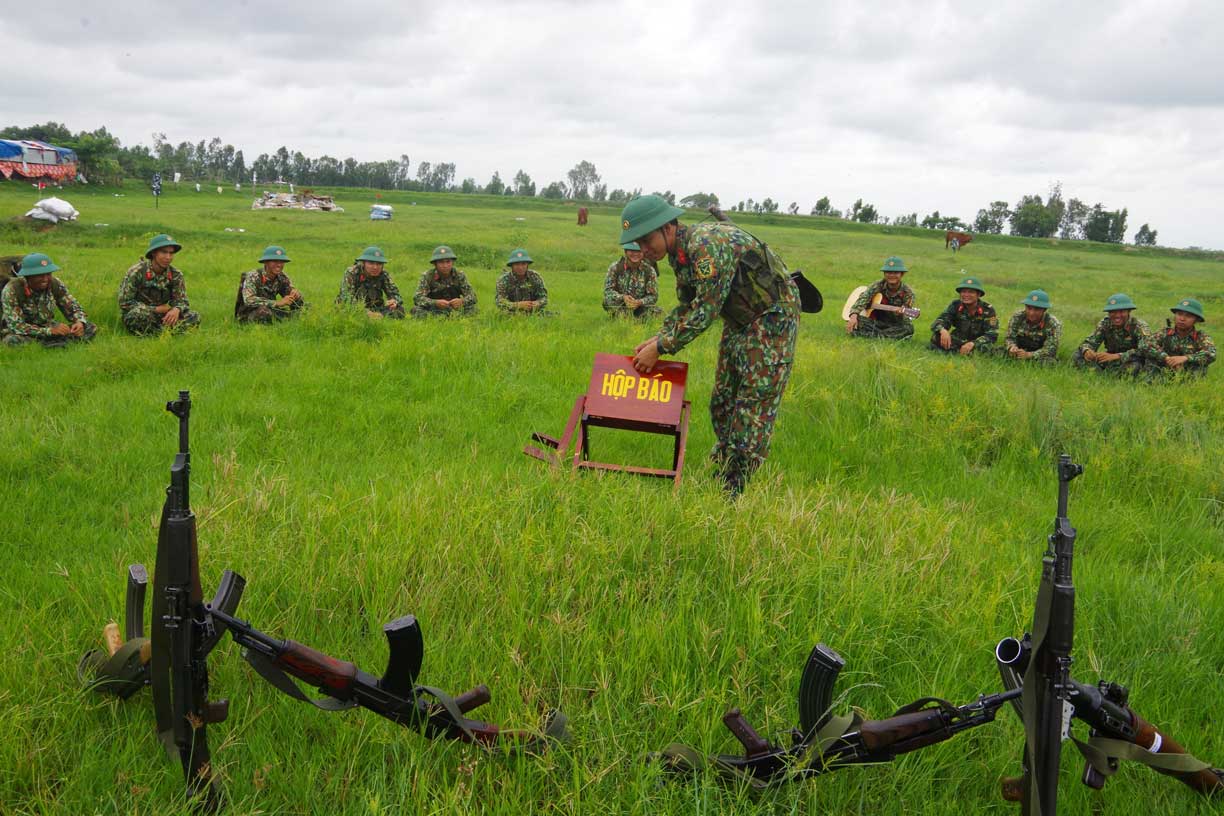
(511, 290)
(904, 296)
(434, 286)
(1041, 339)
(641, 283)
(259, 289)
(27, 313)
(1196, 346)
(1124, 341)
(979, 326)
(143, 289)
(368, 291)
(706, 261)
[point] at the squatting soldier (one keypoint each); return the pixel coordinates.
(1180, 347)
(443, 290)
(1033, 333)
(968, 324)
(893, 325)
(153, 296)
(631, 288)
(368, 285)
(1121, 334)
(267, 294)
(28, 304)
(723, 271)
(521, 289)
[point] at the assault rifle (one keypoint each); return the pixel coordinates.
(1039, 666)
(824, 743)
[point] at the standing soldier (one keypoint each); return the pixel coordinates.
(632, 286)
(723, 271)
(895, 323)
(443, 290)
(368, 285)
(153, 295)
(267, 294)
(1033, 333)
(1122, 336)
(1180, 347)
(28, 304)
(521, 289)
(968, 324)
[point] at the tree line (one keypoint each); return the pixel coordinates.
(104, 159)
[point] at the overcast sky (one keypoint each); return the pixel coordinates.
(912, 106)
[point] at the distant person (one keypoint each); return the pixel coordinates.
(886, 308)
(1032, 332)
(367, 284)
(267, 294)
(631, 288)
(1121, 335)
(1179, 348)
(153, 295)
(968, 324)
(520, 288)
(28, 304)
(443, 290)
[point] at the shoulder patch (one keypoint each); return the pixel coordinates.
(704, 268)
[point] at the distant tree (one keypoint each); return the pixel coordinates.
(495, 185)
(555, 190)
(581, 179)
(599, 192)
(1145, 236)
(699, 201)
(284, 165)
(468, 186)
(1107, 226)
(523, 185)
(769, 205)
(1031, 218)
(238, 168)
(424, 173)
(992, 219)
(910, 220)
(864, 213)
(793, 209)
(822, 206)
(618, 196)
(1074, 217)
(667, 196)
(51, 132)
(402, 174)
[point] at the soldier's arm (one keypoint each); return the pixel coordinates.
(1137, 352)
(713, 267)
(1152, 347)
(1049, 349)
(909, 298)
(347, 295)
(391, 291)
(612, 299)
(944, 321)
(1013, 328)
(1094, 340)
(502, 296)
(250, 294)
(178, 293)
(69, 305)
(129, 300)
(1206, 354)
(421, 298)
(540, 293)
(652, 287)
(991, 334)
(14, 320)
(860, 305)
(466, 291)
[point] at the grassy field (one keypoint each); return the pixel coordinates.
(355, 471)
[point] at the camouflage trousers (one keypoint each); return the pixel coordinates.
(433, 311)
(1157, 371)
(53, 341)
(640, 313)
(980, 349)
(1116, 367)
(867, 327)
(149, 322)
(269, 314)
(754, 365)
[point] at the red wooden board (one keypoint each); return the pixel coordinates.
(617, 391)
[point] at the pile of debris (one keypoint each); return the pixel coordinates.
(381, 212)
(53, 210)
(305, 200)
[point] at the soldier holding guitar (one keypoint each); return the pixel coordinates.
(885, 308)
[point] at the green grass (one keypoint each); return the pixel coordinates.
(357, 471)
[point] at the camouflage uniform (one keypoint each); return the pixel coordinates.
(143, 289)
(1196, 345)
(27, 316)
(511, 290)
(889, 325)
(371, 292)
(641, 283)
(757, 349)
(434, 286)
(1125, 341)
(257, 296)
(979, 325)
(1041, 338)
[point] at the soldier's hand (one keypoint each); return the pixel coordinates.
(1176, 362)
(632, 302)
(391, 304)
(374, 314)
(456, 303)
(1106, 357)
(1091, 356)
(171, 317)
(852, 324)
(162, 309)
(60, 330)
(442, 304)
(77, 329)
(967, 348)
(646, 355)
(945, 339)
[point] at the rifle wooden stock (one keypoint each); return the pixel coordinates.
(905, 732)
(1206, 781)
(318, 669)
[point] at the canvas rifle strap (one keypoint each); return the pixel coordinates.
(121, 674)
(1028, 698)
(268, 671)
(1100, 750)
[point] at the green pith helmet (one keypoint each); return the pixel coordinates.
(1119, 303)
(374, 254)
(160, 241)
(970, 282)
(631, 246)
(518, 256)
(645, 214)
(1188, 305)
(893, 264)
(36, 263)
(1037, 298)
(443, 253)
(274, 253)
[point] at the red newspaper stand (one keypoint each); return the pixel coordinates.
(618, 397)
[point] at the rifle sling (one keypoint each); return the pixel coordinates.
(270, 672)
(1100, 750)
(159, 637)
(1028, 699)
